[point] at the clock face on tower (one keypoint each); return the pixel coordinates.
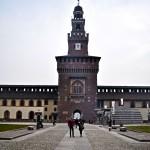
(77, 46)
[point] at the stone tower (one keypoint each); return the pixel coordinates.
(77, 85)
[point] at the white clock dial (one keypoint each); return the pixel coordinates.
(77, 46)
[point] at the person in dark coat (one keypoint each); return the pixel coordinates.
(81, 127)
(71, 127)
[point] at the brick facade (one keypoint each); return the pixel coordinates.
(77, 73)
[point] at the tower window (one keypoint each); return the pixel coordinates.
(78, 27)
(77, 87)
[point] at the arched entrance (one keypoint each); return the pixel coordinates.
(31, 115)
(6, 115)
(77, 114)
(18, 115)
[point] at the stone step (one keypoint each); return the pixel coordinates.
(126, 116)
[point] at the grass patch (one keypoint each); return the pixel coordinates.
(7, 127)
(139, 128)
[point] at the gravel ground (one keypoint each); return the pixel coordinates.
(102, 140)
(44, 141)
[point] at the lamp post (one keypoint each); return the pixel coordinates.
(113, 112)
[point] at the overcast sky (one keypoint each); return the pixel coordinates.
(33, 32)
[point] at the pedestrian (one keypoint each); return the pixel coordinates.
(54, 122)
(71, 127)
(110, 125)
(81, 127)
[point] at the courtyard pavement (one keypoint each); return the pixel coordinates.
(57, 138)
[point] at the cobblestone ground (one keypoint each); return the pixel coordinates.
(44, 141)
(102, 140)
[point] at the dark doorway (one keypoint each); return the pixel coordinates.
(18, 115)
(31, 115)
(6, 115)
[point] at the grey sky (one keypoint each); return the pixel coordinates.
(33, 32)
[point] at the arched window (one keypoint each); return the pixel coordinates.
(31, 115)
(4, 103)
(18, 115)
(13, 103)
(45, 117)
(6, 115)
(50, 117)
(39, 103)
(77, 87)
(55, 108)
(78, 26)
(22, 103)
(31, 103)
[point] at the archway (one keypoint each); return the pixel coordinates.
(77, 114)
(31, 115)
(6, 115)
(18, 115)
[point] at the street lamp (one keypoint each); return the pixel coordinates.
(113, 111)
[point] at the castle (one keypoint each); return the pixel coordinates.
(77, 94)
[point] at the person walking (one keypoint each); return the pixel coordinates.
(54, 122)
(71, 127)
(81, 127)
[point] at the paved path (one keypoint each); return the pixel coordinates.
(76, 143)
(46, 139)
(102, 139)
(57, 138)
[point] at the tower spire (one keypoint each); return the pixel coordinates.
(78, 38)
